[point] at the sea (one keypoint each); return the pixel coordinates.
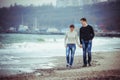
(21, 53)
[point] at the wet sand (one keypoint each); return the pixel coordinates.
(105, 66)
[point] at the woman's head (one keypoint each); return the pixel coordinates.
(72, 27)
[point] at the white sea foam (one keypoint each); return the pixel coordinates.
(51, 48)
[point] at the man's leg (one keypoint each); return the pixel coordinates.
(89, 52)
(67, 54)
(73, 48)
(84, 54)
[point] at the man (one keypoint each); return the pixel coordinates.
(86, 37)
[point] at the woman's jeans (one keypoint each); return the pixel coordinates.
(87, 45)
(70, 51)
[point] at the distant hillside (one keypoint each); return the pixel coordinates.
(104, 14)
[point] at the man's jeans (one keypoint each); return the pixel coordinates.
(87, 45)
(70, 51)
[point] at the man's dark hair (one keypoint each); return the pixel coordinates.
(83, 19)
(72, 26)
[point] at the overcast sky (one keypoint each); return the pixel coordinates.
(26, 2)
(7, 3)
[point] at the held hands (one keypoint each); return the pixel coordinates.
(65, 46)
(80, 45)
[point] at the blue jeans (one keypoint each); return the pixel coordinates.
(87, 45)
(70, 51)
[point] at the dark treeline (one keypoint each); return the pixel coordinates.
(105, 14)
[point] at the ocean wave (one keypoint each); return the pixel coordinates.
(8, 57)
(28, 44)
(54, 47)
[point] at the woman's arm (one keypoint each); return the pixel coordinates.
(65, 39)
(76, 38)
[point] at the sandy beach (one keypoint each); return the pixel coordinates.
(105, 66)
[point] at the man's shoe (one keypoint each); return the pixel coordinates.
(90, 64)
(84, 66)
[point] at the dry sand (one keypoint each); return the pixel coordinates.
(105, 66)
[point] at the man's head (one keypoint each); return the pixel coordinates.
(72, 27)
(83, 21)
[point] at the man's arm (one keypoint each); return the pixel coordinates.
(80, 36)
(92, 33)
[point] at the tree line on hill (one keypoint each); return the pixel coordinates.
(106, 15)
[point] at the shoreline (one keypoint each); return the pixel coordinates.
(104, 67)
(99, 34)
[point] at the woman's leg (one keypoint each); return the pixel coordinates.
(73, 48)
(67, 53)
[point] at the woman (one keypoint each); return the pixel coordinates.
(71, 39)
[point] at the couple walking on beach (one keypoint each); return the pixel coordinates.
(86, 35)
